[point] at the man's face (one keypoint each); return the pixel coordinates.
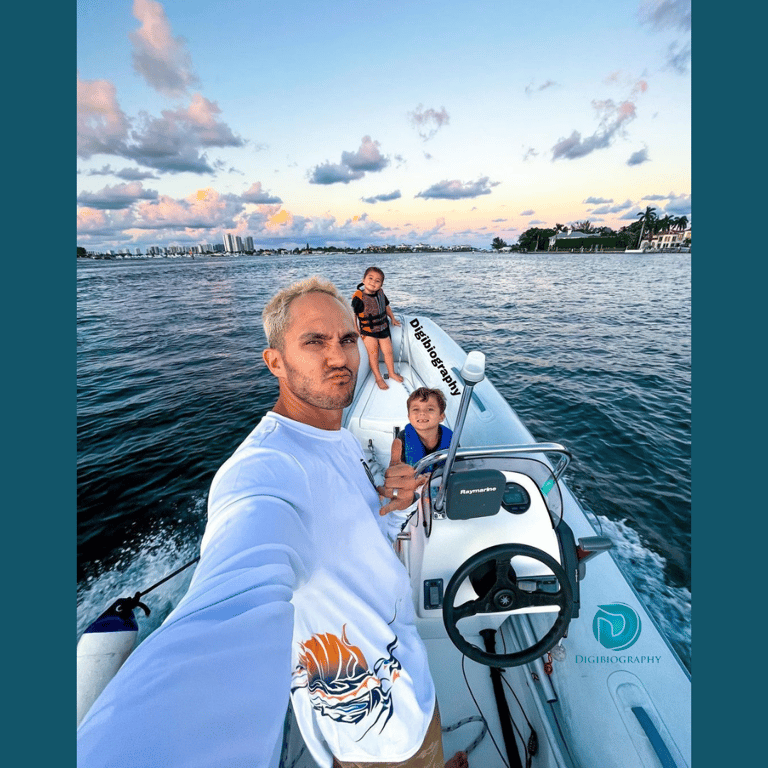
(319, 359)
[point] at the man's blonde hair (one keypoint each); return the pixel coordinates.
(276, 314)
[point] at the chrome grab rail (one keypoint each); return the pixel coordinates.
(502, 450)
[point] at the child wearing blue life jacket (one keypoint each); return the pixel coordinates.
(373, 315)
(424, 434)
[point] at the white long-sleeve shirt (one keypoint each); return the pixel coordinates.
(296, 589)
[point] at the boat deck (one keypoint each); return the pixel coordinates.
(379, 411)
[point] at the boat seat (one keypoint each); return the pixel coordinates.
(386, 408)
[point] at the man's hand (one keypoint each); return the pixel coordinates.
(400, 481)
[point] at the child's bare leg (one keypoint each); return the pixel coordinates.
(372, 346)
(389, 359)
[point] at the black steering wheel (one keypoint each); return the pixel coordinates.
(501, 594)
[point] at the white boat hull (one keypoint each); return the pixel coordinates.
(598, 707)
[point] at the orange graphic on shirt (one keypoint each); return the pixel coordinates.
(340, 683)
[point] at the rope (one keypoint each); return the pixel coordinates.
(162, 581)
(127, 604)
(472, 719)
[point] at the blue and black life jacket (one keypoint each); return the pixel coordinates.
(414, 450)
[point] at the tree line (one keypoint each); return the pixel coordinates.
(648, 224)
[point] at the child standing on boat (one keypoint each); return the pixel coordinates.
(424, 434)
(372, 315)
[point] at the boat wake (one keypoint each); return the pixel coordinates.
(139, 567)
(670, 607)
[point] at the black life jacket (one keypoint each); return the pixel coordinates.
(373, 318)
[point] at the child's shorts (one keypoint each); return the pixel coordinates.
(383, 334)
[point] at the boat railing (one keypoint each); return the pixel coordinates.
(564, 455)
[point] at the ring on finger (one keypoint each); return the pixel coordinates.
(395, 492)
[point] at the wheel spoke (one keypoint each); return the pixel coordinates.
(470, 608)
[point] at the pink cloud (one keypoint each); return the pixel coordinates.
(101, 125)
(162, 60)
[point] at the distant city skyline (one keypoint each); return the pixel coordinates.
(367, 123)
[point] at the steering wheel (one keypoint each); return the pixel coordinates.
(504, 594)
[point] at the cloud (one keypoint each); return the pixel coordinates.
(162, 60)
(92, 221)
(353, 165)
(606, 209)
(675, 15)
(119, 196)
(367, 158)
(171, 143)
(456, 190)
(206, 209)
(530, 152)
(285, 226)
(678, 56)
(200, 116)
(439, 224)
(105, 170)
(428, 122)
(382, 198)
(666, 14)
(254, 194)
(102, 126)
(639, 157)
(548, 84)
(135, 174)
(330, 173)
(679, 205)
(613, 118)
(596, 201)
(529, 212)
(127, 174)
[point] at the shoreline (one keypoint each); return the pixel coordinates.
(135, 257)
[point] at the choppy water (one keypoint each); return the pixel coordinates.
(592, 351)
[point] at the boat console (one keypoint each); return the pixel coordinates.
(488, 542)
(497, 549)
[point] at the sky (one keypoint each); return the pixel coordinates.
(372, 122)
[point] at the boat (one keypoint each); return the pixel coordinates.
(541, 651)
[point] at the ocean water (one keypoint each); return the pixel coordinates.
(591, 350)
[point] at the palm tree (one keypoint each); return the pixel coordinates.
(646, 218)
(681, 222)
